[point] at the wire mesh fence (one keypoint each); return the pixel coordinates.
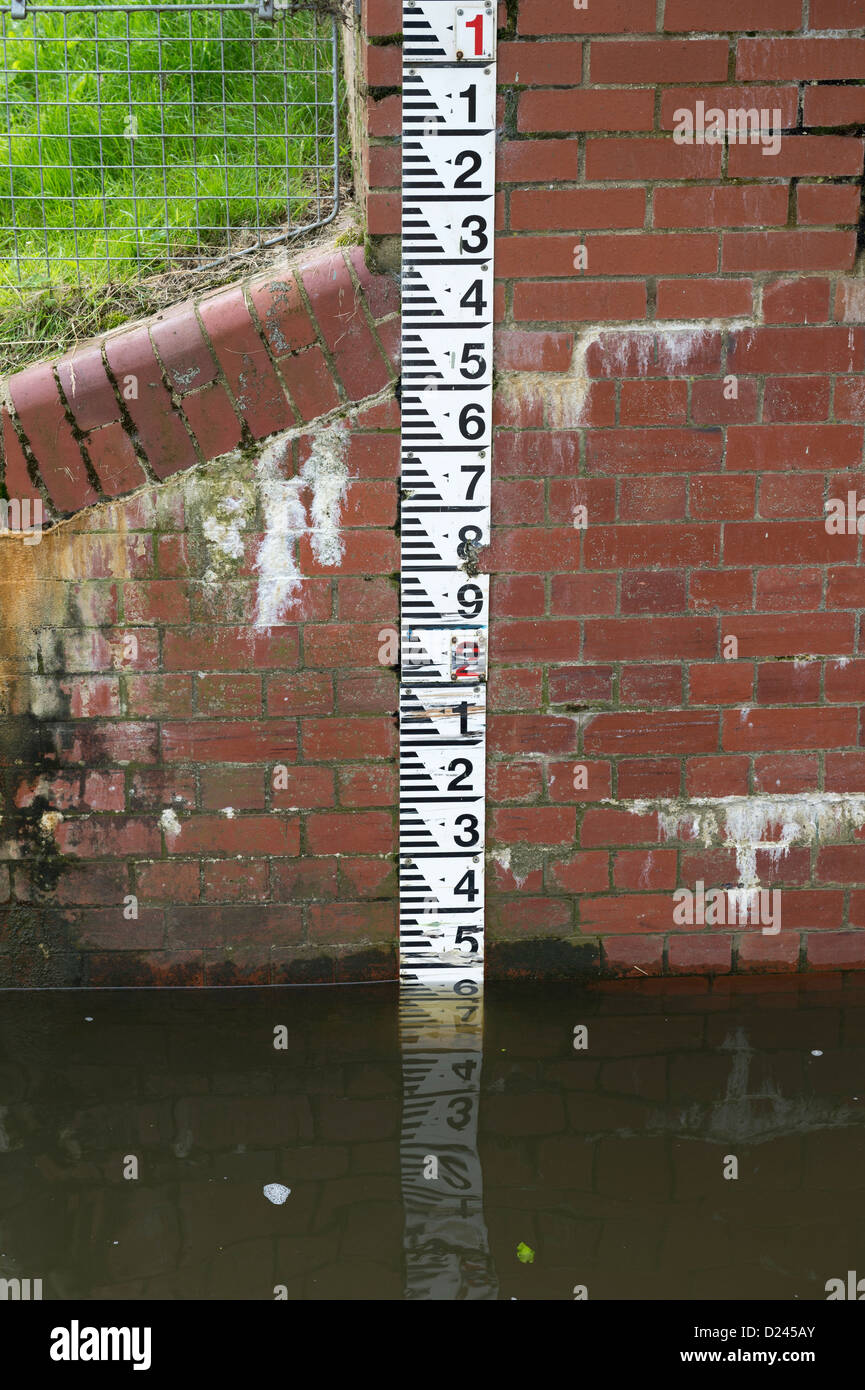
(134, 138)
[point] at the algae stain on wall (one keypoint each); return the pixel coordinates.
(40, 606)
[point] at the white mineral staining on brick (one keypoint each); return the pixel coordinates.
(561, 395)
(646, 870)
(752, 824)
(629, 349)
(583, 718)
(284, 523)
(170, 825)
(326, 473)
(325, 476)
(49, 821)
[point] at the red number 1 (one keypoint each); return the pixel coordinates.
(478, 25)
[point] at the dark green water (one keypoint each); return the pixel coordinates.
(607, 1162)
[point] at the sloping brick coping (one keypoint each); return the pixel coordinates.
(198, 380)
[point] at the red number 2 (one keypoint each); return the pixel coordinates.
(478, 25)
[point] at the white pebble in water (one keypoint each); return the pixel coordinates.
(276, 1193)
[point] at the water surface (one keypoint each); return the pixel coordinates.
(605, 1165)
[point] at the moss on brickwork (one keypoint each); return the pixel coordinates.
(383, 254)
(43, 605)
(222, 508)
(520, 860)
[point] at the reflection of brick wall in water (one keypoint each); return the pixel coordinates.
(607, 1162)
(213, 1113)
(680, 391)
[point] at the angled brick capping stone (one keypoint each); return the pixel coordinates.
(198, 753)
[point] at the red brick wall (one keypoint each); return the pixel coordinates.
(706, 266)
(192, 794)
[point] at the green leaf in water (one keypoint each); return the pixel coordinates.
(525, 1253)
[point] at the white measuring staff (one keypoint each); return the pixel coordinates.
(449, 92)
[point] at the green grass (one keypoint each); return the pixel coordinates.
(232, 135)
